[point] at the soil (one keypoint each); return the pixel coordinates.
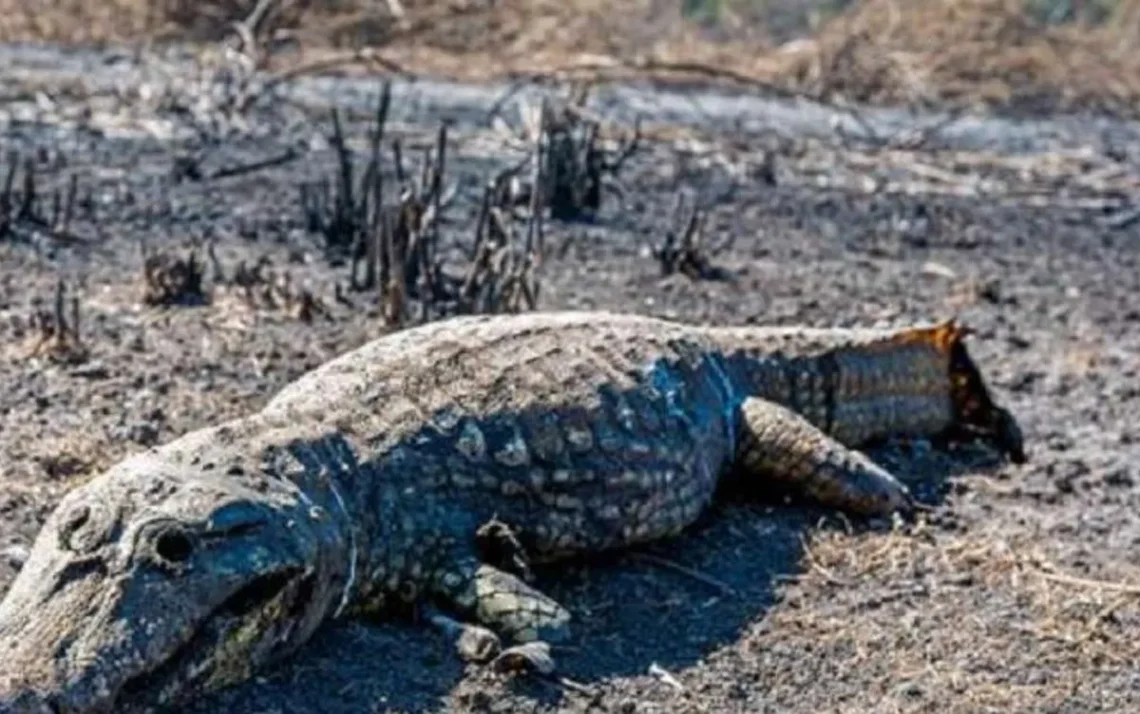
(1011, 594)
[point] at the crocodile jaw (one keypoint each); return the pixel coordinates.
(118, 663)
(254, 625)
(113, 613)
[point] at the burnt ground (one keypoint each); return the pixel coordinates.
(1012, 594)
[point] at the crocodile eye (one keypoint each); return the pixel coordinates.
(173, 546)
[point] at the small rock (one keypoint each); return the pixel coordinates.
(990, 291)
(92, 370)
(931, 268)
(15, 555)
(1119, 477)
(140, 432)
(910, 689)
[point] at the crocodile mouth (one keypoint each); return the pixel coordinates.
(258, 615)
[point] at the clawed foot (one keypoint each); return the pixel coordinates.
(527, 657)
(474, 643)
(479, 645)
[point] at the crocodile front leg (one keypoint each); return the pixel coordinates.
(501, 602)
(778, 444)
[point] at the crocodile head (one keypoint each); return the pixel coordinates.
(156, 580)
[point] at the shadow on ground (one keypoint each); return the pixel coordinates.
(670, 605)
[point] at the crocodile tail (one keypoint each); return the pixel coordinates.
(975, 412)
(943, 336)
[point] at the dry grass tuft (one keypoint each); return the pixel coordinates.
(262, 289)
(170, 280)
(926, 579)
(62, 460)
(972, 53)
(55, 332)
(683, 249)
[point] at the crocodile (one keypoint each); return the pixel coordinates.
(432, 466)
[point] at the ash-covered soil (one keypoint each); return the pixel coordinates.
(1017, 592)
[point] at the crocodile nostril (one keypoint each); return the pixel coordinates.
(173, 546)
(70, 526)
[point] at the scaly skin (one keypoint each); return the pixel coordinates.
(431, 466)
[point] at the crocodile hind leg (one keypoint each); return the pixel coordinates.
(778, 444)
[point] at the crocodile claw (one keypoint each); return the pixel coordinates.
(525, 657)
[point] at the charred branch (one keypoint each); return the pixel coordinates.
(396, 240)
(188, 167)
(56, 331)
(576, 166)
(344, 214)
(25, 213)
(173, 280)
(262, 288)
(683, 249)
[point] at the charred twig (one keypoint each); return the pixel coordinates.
(534, 234)
(684, 251)
(188, 167)
(575, 167)
(254, 166)
(168, 280)
(395, 247)
(23, 213)
(57, 334)
(347, 217)
(663, 562)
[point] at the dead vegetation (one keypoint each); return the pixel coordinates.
(683, 250)
(976, 54)
(579, 154)
(575, 165)
(172, 280)
(25, 213)
(395, 248)
(501, 275)
(985, 54)
(54, 332)
(865, 584)
(261, 287)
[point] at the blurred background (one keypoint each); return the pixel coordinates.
(1018, 56)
